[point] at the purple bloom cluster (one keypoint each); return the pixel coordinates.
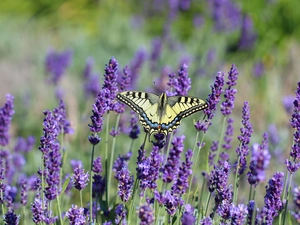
(296, 214)
(24, 145)
(57, 62)
(180, 84)
(125, 82)
(170, 169)
(79, 178)
(146, 215)
(248, 35)
(6, 113)
(91, 80)
(61, 117)
(273, 203)
(251, 212)
(258, 69)
(170, 201)
(238, 214)
(259, 162)
(206, 221)
(134, 129)
(37, 210)
(228, 134)
(212, 100)
(125, 185)
(98, 187)
(136, 65)
(212, 152)
(229, 95)
(246, 131)
(10, 218)
(182, 183)
(155, 53)
(120, 212)
(121, 161)
(287, 102)
(24, 192)
(76, 216)
(188, 217)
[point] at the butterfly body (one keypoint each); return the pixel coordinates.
(161, 114)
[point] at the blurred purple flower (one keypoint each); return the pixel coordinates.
(273, 135)
(125, 79)
(296, 213)
(91, 80)
(61, 117)
(246, 131)
(6, 113)
(273, 203)
(198, 21)
(10, 218)
(97, 165)
(121, 161)
(37, 211)
(75, 163)
(238, 214)
(99, 185)
(155, 53)
(136, 65)
(134, 129)
(228, 134)
(181, 184)
(76, 216)
(212, 152)
(146, 215)
(248, 34)
(24, 192)
(251, 212)
(170, 169)
(120, 211)
(56, 63)
(260, 160)
(258, 69)
(287, 102)
(188, 217)
(170, 201)
(229, 95)
(206, 221)
(225, 14)
(79, 178)
(180, 84)
(125, 185)
(24, 145)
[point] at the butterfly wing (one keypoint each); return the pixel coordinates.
(177, 108)
(144, 104)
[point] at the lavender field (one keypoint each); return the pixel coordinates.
(71, 153)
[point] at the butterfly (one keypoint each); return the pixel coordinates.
(161, 114)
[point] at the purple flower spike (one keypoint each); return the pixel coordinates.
(170, 170)
(212, 152)
(259, 162)
(125, 185)
(238, 214)
(6, 113)
(136, 65)
(229, 95)
(61, 116)
(213, 100)
(258, 69)
(91, 80)
(146, 215)
(10, 218)
(121, 161)
(273, 203)
(97, 165)
(57, 62)
(228, 134)
(180, 84)
(248, 35)
(181, 184)
(155, 52)
(244, 138)
(24, 192)
(206, 221)
(134, 127)
(287, 102)
(296, 213)
(188, 217)
(170, 201)
(76, 216)
(37, 211)
(79, 178)
(120, 212)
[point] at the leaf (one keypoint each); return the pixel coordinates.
(65, 185)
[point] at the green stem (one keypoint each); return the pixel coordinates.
(169, 146)
(59, 210)
(80, 194)
(91, 184)
(112, 153)
(253, 216)
(207, 203)
(287, 198)
(136, 184)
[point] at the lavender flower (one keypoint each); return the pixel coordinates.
(238, 214)
(155, 165)
(6, 113)
(258, 69)
(91, 80)
(121, 161)
(160, 140)
(251, 212)
(120, 212)
(181, 184)
(187, 216)
(248, 35)
(295, 123)
(10, 218)
(170, 170)
(136, 65)
(98, 185)
(213, 100)
(24, 145)
(259, 162)
(273, 203)
(75, 163)
(296, 214)
(212, 152)
(228, 104)
(57, 62)
(244, 138)
(287, 102)
(61, 117)
(97, 165)
(146, 215)
(155, 53)
(273, 135)
(228, 134)
(170, 201)
(181, 84)
(206, 221)
(134, 128)
(142, 173)
(79, 178)
(76, 216)
(125, 185)
(24, 193)
(125, 79)
(37, 211)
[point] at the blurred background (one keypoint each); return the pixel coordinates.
(153, 38)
